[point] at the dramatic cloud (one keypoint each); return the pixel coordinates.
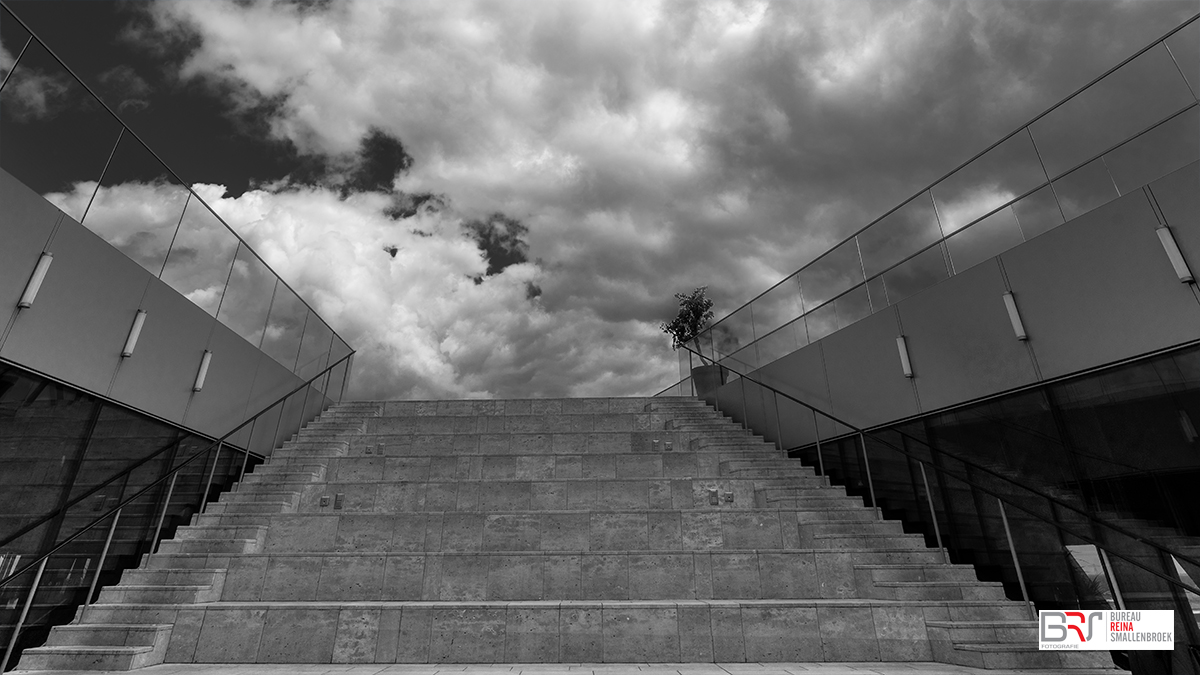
(632, 149)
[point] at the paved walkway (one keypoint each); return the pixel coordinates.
(580, 669)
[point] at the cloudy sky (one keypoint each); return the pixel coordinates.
(500, 198)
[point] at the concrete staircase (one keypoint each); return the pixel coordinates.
(574, 530)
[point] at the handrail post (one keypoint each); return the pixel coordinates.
(1109, 572)
(745, 417)
(87, 601)
(162, 515)
(817, 432)
(12, 642)
(937, 531)
(870, 483)
(1016, 563)
(245, 460)
(211, 473)
(778, 422)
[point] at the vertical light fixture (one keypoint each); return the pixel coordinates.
(1175, 255)
(134, 331)
(904, 362)
(1014, 317)
(35, 281)
(204, 361)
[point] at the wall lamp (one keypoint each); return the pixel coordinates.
(35, 281)
(204, 361)
(134, 331)
(1014, 317)
(904, 362)
(1172, 248)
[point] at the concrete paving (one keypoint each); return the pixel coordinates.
(875, 668)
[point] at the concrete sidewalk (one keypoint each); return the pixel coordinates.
(577, 669)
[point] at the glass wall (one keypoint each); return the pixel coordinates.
(1075, 494)
(65, 144)
(1137, 123)
(67, 458)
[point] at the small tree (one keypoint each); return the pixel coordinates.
(695, 311)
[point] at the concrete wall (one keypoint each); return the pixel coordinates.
(78, 324)
(1093, 291)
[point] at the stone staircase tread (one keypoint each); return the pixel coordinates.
(91, 649)
(999, 623)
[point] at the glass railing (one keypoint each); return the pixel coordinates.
(1135, 123)
(110, 181)
(997, 488)
(53, 563)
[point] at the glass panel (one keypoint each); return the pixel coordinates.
(314, 348)
(833, 273)
(138, 206)
(1137, 95)
(784, 341)
(199, 261)
(285, 327)
(987, 238)
(743, 360)
(878, 294)
(1156, 153)
(853, 306)
(340, 349)
(733, 332)
(1185, 47)
(1003, 173)
(902, 233)
(1038, 213)
(915, 275)
(1084, 189)
(248, 296)
(821, 322)
(13, 38)
(337, 378)
(777, 306)
(56, 137)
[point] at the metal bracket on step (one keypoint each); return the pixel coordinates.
(324, 500)
(728, 496)
(714, 497)
(338, 499)
(667, 445)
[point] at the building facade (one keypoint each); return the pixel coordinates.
(1010, 359)
(138, 373)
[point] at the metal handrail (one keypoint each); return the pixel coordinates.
(170, 474)
(1096, 521)
(187, 186)
(1022, 127)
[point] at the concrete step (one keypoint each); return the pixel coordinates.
(158, 593)
(550, 495)
(173, 576)
(89, 658)
(109, 635)
(249, 508)
(640, 631)
(938, 590)
(567, 576)
(226, 546)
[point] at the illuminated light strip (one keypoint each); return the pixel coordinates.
(1172, 248)
(134, 331)
(904, 362)
(1014, 317)
(204, 361)
(35, 281)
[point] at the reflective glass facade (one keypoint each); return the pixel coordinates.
(68, 458)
